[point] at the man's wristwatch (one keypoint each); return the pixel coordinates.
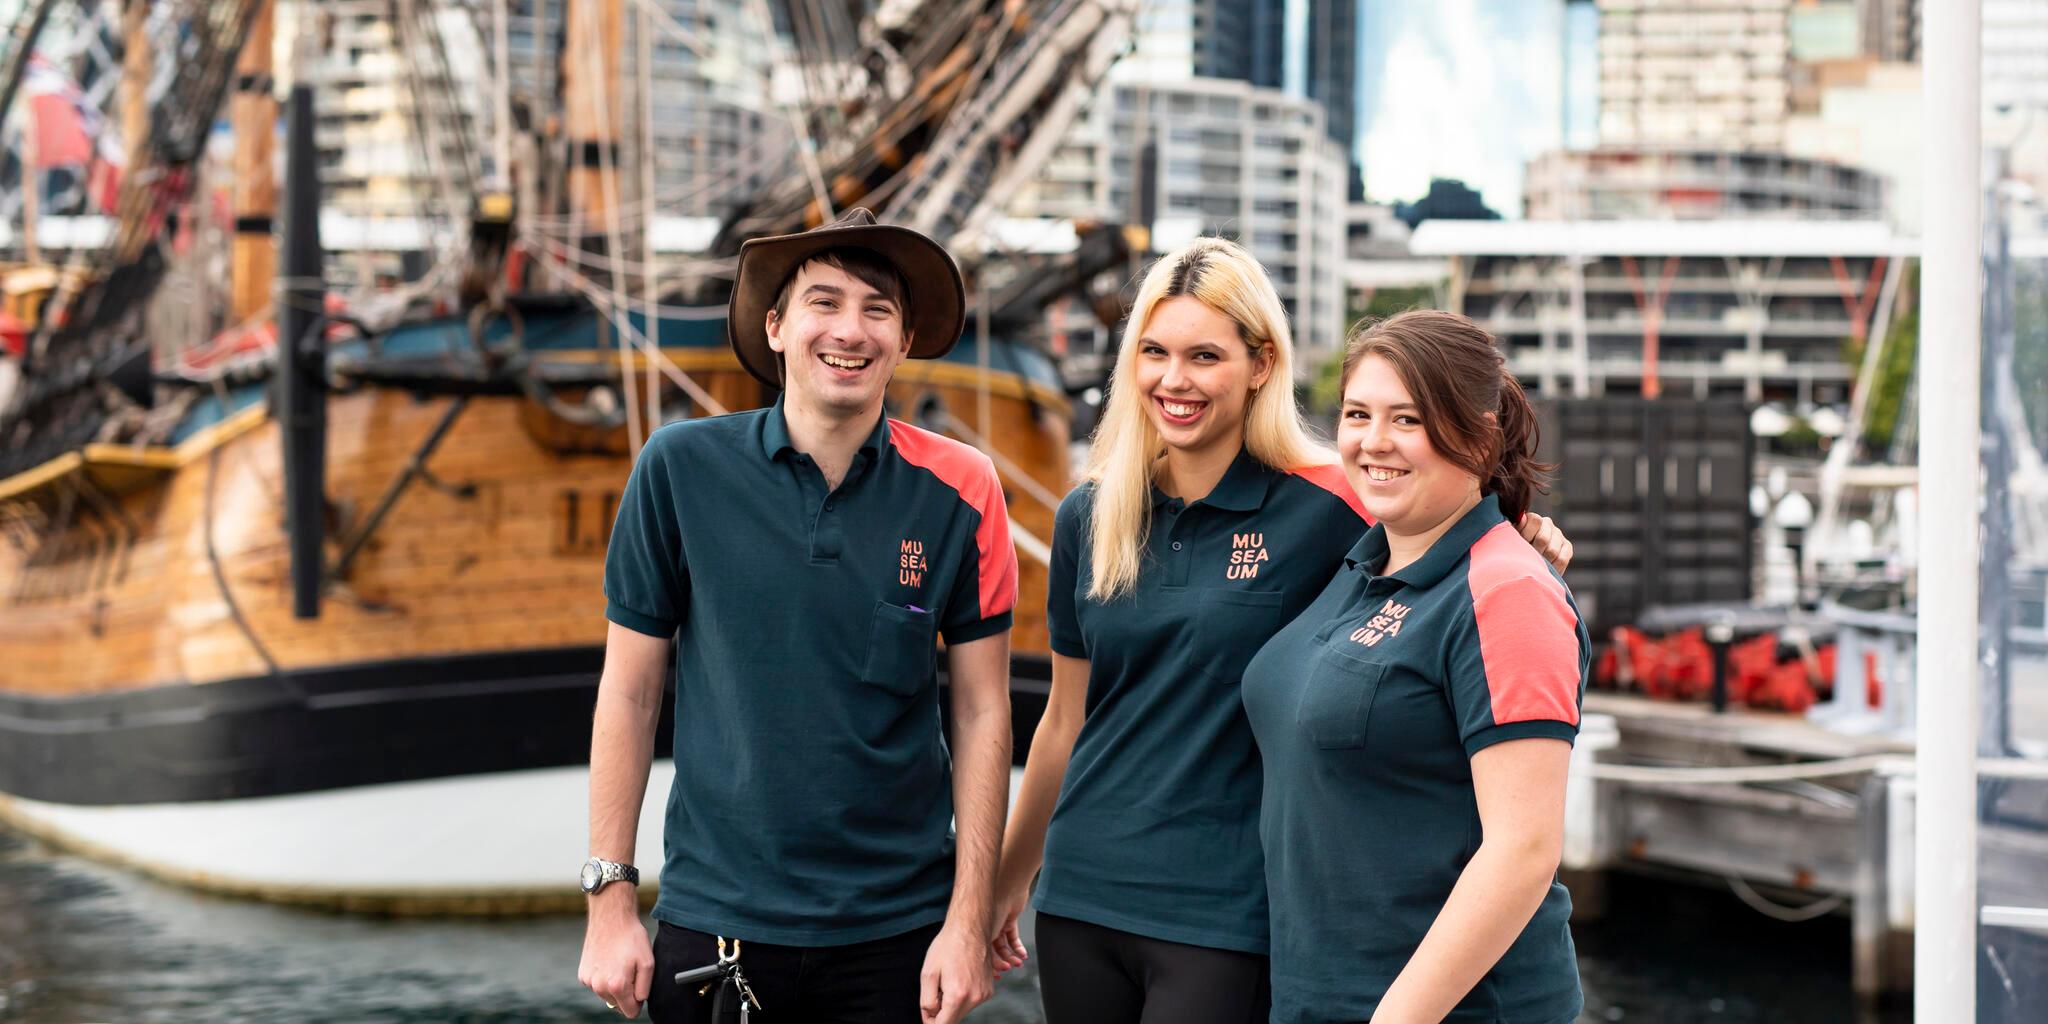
(598, 873)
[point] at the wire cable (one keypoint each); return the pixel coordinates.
(1777, 911)
(1735, 775)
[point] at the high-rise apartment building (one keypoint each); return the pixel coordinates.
(1197, 131)
(1891, 30)
(1672, 183)
(2016, 55)
(1711, 73)
(1220, 157)
(1246, 40)
(1332, 77)
(1240, 39)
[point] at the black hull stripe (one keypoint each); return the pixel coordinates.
(332, 728)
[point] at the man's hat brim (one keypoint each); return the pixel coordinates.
(937, 299)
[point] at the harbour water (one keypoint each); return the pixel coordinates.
(80, 941)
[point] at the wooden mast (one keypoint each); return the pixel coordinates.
(137, 64)
(254, 119)
(590, 109)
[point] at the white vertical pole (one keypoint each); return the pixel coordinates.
(1945, 833)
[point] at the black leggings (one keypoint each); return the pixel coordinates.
(1089, 974)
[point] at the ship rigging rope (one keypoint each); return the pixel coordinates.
(973, 95)
(748, 159)
(799, 122)
(643, 64)
(220, 577)
(891, 132)
(898, 128)
(1024, 480)
(716, 266)
(680, 33)
(591, 291)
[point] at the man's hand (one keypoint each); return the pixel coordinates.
(1008, 944)
(956, 975)
(1544, 536)
(618, 959)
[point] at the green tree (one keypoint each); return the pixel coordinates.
(2030, 346)
(1894, 372)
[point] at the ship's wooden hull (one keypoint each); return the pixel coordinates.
(508, 555)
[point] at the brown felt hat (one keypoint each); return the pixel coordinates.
(937, 299)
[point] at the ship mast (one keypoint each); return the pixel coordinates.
(254, 118)
(138, 62)
(591, 112)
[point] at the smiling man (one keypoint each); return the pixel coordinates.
(803, 559)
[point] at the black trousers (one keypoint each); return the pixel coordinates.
(864, 983)
(1088, 974)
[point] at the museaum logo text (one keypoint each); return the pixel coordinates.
(1384, 626)
(1247, 550)
(911, 564)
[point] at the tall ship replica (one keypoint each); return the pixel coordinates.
(304, 603)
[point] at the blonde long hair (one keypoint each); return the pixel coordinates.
(1127, 448)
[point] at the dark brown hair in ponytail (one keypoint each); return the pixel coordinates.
(1457, 376)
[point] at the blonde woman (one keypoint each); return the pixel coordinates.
(1208, 519)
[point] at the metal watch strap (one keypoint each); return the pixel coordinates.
(609, 871)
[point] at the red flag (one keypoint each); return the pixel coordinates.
(60, 137)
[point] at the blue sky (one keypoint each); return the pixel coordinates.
(1467, 89)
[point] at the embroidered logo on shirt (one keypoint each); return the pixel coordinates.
(1384, 626)
(911, 564)
(1247, 550)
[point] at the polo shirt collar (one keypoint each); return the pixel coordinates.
(1242, 489)
(1436, 563)
(775, 433)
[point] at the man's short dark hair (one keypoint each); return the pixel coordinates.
(866, 266)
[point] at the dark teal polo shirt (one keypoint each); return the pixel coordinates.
(1155, 832)
(812, 802)
(1368, 708)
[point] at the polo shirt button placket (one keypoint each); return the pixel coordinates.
(1177, 565)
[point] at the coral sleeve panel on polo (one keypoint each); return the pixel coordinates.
(1368, 708)
(1155, 831)
(812, 798)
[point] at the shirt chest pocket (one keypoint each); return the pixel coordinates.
(1337, 701)
(900, 648)
(1231, 626)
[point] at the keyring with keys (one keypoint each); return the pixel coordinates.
(728, 966)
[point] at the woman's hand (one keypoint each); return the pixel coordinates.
(1547, 539)
(1008, 944)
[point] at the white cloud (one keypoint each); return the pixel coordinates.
(1469, 90)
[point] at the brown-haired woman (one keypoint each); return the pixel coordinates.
(1416, 720)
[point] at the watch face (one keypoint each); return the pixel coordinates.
(591, 876)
